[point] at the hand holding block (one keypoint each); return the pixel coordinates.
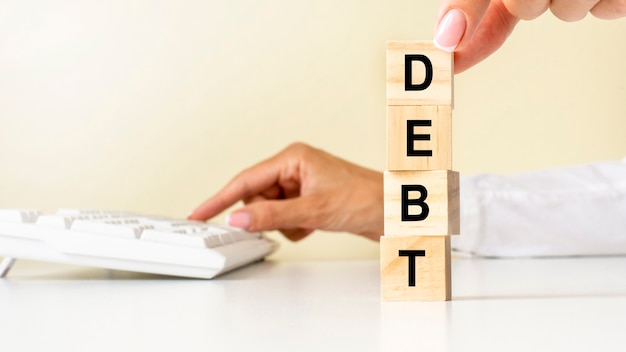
(421, 203)
(419, 137)
(415, 268)
(418, 73)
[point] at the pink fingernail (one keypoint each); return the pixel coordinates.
(239, 219)
(450, 30)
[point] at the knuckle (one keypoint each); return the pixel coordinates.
(299, 148)
(609, 9)
(527, 10)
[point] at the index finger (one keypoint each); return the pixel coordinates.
(250, 182)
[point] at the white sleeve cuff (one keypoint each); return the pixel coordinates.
(559, 212)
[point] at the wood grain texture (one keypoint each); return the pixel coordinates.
(432, 272)
(442, 201)
(439, 92)
(403, 119)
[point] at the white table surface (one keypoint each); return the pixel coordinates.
(498, 305)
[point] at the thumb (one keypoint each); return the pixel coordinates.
(301, 212)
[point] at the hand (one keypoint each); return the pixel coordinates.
(475, 29)
(299, 190)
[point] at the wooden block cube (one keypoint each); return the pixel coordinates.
(415, 268)
(419, 137)
(418, 73)
(421, 203)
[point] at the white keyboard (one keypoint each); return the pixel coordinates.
(127, 241)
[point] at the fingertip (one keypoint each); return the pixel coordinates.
(197, 214)
(209, 208)
(450, 30)
(196, 217)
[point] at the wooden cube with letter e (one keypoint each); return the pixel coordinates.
(421, 192)
(419, 137)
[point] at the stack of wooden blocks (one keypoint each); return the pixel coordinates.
(421, 191)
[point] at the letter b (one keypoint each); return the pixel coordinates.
(406, 202)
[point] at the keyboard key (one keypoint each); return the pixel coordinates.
(65, 221)
(93, 213)
(161, 222)
(19, 215)
(182, 238)
(56, 221)
(227, 238)
(126, 228)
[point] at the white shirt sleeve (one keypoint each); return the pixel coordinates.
(570, 211)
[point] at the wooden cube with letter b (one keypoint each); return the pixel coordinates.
(421, 203)
(421, 192)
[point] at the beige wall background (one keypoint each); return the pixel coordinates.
(152, 106)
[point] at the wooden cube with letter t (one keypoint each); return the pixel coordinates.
(415, 268)
(421, 192)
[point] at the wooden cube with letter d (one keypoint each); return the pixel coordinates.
(418, 73)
